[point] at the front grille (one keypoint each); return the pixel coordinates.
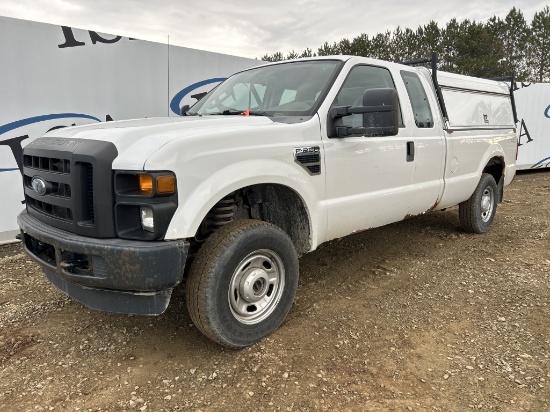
(63, 190)
(71, 170)
(58, 212)
(59, 169)
(48, 164)
(88, 173)
(56, 203)
(59, 189)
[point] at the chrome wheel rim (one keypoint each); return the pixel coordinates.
(256, 287)
(487, 204)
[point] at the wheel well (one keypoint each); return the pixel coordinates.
(495, 167)
(273, 203)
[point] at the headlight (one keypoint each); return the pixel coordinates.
(145, 202)
(147, 219)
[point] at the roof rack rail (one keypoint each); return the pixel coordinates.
(433, 60)
(512, 80)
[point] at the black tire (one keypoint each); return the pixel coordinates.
(242, 283)
(478, 212)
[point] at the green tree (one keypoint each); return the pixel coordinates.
(429, 40)
(512, 34)
(478, 51)
(275, 57)
(361, 45)
(292, 55)
(539, 50)
(307, 53)
(344, 47)
(495, 48)
(380, 46)
(449, 51)
(516, 38)
(328, 50)
(403, 45)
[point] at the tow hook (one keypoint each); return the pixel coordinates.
(70, 265)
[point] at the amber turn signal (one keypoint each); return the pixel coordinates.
(166, 184)
(146, 184)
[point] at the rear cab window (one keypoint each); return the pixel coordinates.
(419, 100)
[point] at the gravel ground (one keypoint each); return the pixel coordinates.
(414, 316)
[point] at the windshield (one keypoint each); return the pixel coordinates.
(287, 89)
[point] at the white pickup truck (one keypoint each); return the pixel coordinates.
(274, 161)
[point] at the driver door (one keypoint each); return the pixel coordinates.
(369, 180)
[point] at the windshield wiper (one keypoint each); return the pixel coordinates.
(240, 113)
(259, 113)
(225, 113)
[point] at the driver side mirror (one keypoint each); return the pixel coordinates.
(184, 110)
(380, 115)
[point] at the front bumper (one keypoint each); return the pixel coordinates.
(112, 275)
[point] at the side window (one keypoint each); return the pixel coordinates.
(419, 100)
(359, 79)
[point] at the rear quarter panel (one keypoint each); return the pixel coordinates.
(469, 151)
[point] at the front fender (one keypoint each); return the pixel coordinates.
(196, 198)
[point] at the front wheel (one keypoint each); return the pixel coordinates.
(478, 212)
(242, 283)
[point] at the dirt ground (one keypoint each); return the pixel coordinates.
(415, 316)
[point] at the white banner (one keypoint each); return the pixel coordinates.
(53, 76)
(533, 107)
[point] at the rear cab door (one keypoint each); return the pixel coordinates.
(429, 140)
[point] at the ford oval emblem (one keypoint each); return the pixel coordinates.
(39, 185)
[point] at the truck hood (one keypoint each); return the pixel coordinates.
(136, 140)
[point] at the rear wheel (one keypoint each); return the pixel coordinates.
(478, 212)
(242, 283)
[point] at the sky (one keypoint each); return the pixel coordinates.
(253, 28)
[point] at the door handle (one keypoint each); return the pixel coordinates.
(410, 151)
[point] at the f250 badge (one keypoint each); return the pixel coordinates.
(306, 150)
